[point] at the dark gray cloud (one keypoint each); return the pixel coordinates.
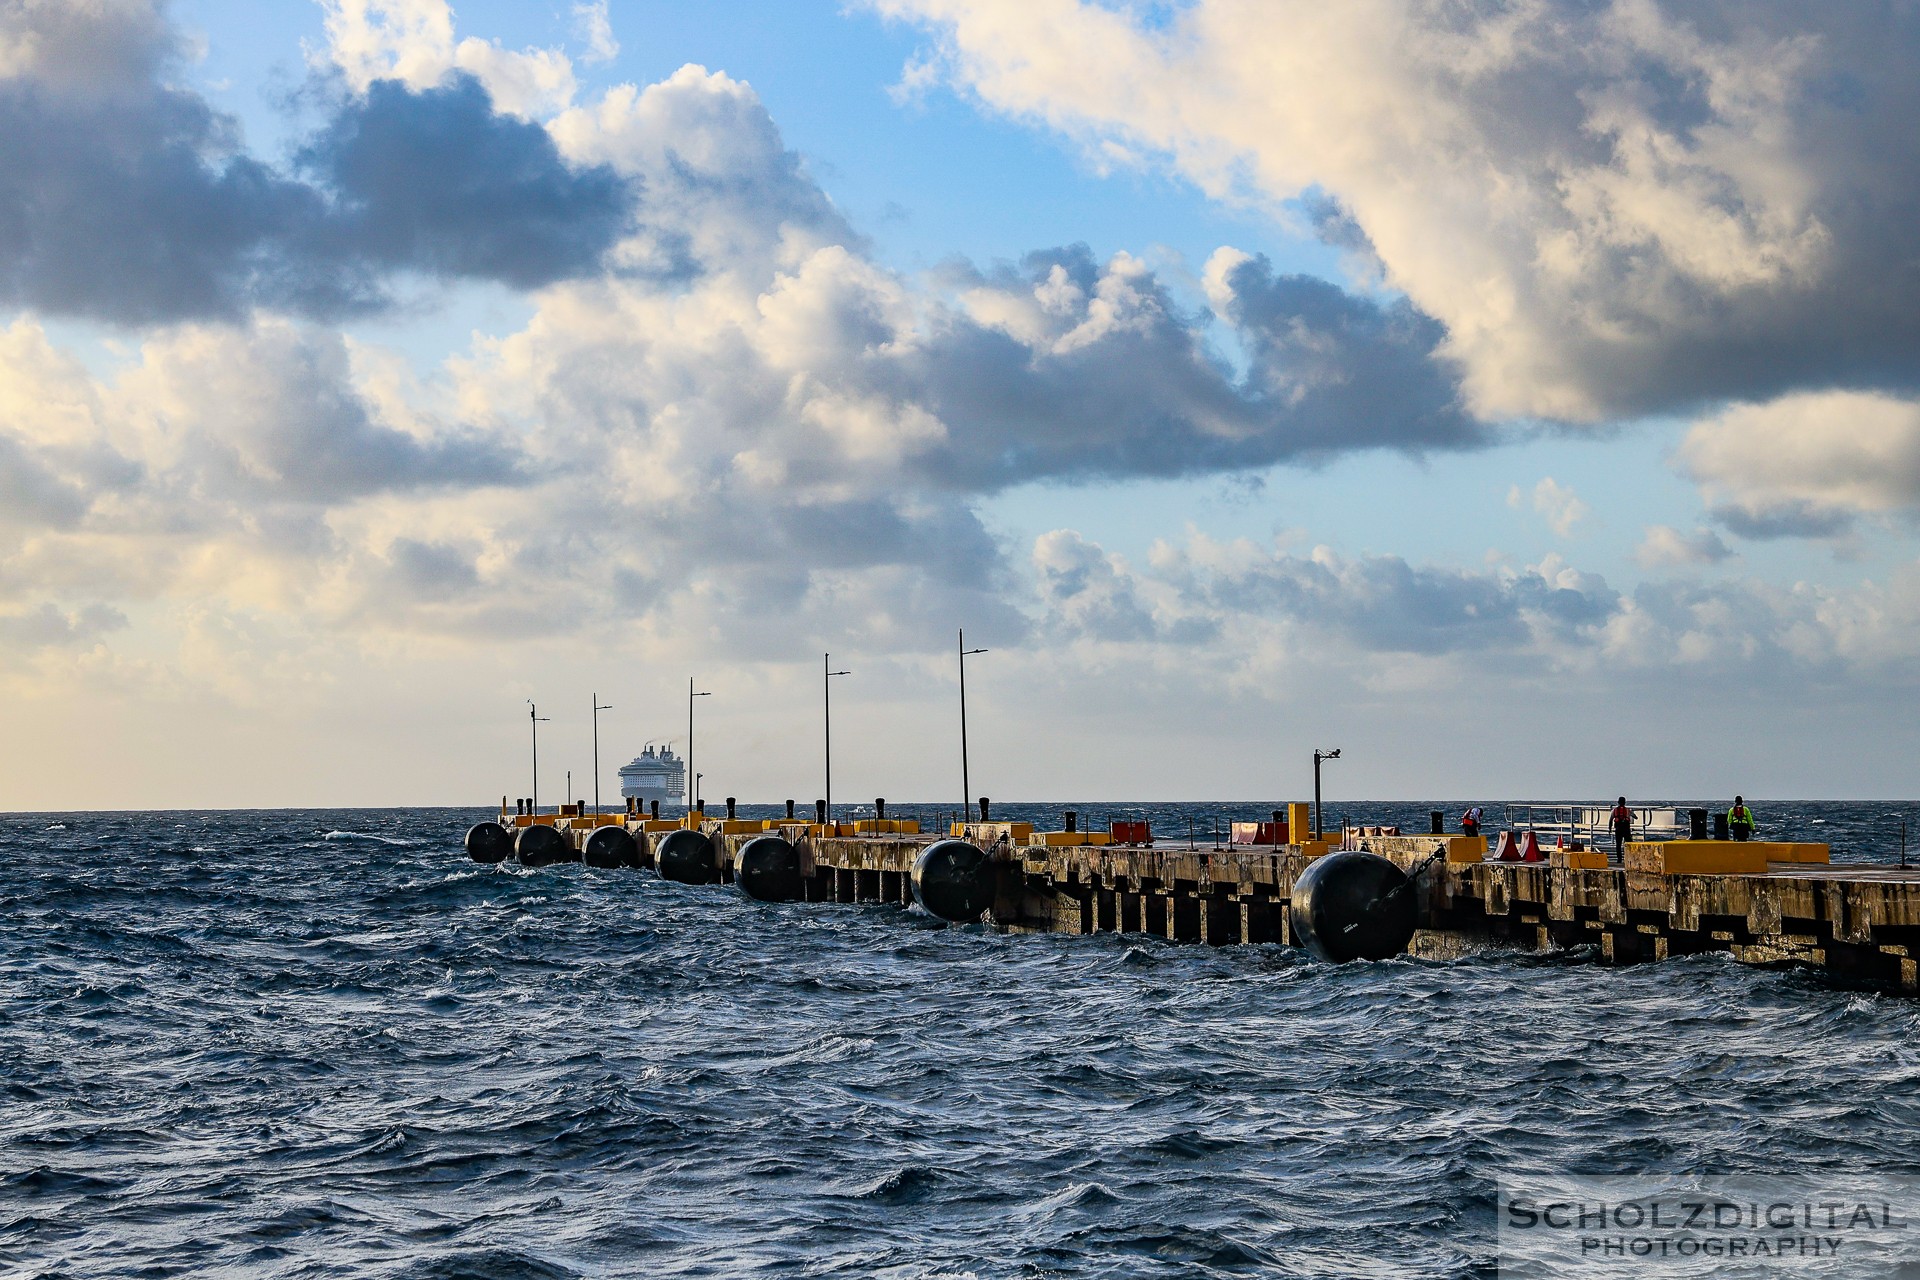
(126, 200)
(1145, 394)
(1384, 604)
(437, 181)
(1788, 519)
(50, 626)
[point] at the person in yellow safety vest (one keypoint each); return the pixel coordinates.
(1740, 819)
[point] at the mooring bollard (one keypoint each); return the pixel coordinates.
(1439, 821)
(983, 810)
(729, 808)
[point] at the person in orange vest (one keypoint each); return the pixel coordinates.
(1470, 821)
(1622, 825)
(1740, 819)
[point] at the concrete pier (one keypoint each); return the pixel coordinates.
(1859, 922)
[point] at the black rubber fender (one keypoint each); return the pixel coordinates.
(767, 869)
(686, 857)
(611, 847)
(1353, 906)
(538, 846)
(489, 842)
(955, 880)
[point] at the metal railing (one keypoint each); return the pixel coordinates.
(1591, 826)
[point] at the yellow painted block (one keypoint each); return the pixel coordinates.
(693, 820)
(1311, 849)
(1096, 837)
(1785, 852)
(1057, 839)
(740, 826)
(1577, 859)
(1299, 821)
(659, 824)
(991, 832)
(1469, 849)
(1697, 857)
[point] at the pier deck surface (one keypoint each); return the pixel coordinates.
(1857, 921)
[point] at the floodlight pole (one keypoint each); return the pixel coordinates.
(533, 714)
(966, 782)
(826, 704)
(1319, 831)
(597, 709)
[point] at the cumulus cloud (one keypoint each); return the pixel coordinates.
(1562, 508)
(595, 31)
(1807, 465)
(1611, 208)
(126, 199)
(434, 180)
(1380, 622)
(1666, 547)
(1384, 604)
(412, 42)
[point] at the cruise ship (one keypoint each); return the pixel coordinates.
(654, 775)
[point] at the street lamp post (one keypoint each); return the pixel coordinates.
(693, 796)
(1319, 830)
(826, 704)
(597, 709)
(966, 782)
(533, 714)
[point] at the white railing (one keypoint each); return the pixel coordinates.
(1591, 826)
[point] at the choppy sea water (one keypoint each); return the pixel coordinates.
(325, 1044)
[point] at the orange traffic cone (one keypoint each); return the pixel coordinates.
(1504, 850)
(1530, 849)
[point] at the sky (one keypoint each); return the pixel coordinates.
(1522, 397)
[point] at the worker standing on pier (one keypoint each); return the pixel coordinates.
(1470, 821)
(1622, 826)
(1740, 819)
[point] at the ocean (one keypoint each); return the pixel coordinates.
(325, 1044)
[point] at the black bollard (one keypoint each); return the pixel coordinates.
(767, 869)
(789, 811)
(489, 841)
(1696, 824)
(820, 812)
(1720, 826)
(880, 810)
(983, 810)
(1073, 821)
(686, 856)
(729, 808)
(1353, 906)
(955, 880)
(656, 811)
(1439, 821)
(611, 847)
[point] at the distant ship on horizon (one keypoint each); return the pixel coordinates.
(654, 775)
